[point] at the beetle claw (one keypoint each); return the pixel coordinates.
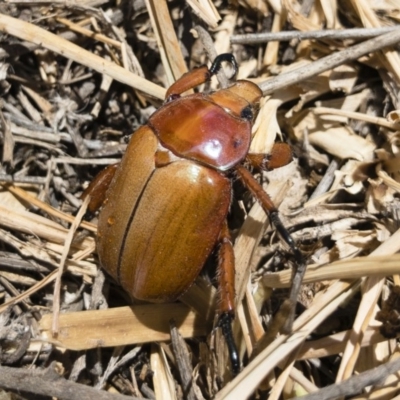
(228, 57)
(225, 322)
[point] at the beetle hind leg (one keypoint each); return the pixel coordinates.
(225, 322)
(226, 285)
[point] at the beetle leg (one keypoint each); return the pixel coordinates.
(196, 77)
(226, 285)
(280, 155)
(188, 81)
(270, 209)
(98, 187)
(226, 272)
(228, 57)
(258, 192)
(225, 322)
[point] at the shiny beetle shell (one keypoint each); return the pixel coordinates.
(159, 224)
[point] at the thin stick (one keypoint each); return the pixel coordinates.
(31, 180)
(64, 255)
(208, 44)
(355, 384)
(356, 33)
(184, 366)
(326, 63)
(49, 383)
(22, 194)
(87, 32)
(326, 181)
(357, 115)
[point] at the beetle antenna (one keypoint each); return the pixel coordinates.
(225, 322)
(224, 57)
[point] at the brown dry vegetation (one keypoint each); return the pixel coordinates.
(78, 77)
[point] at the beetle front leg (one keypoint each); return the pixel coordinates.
(198, 76)
(226, 285)
(280, 155)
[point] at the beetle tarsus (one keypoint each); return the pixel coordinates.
(224, 57)
(225, 322)
(286, 236)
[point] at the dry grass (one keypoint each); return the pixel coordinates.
(76, 78)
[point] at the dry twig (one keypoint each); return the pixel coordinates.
(333, 34)
(355, 384)
(49, 383)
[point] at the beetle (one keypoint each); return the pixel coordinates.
(167, 202)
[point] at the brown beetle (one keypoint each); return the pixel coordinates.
(168, 199)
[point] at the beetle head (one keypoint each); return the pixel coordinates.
(241, 99)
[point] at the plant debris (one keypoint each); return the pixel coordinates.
(78, 78)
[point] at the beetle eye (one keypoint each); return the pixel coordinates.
(247, 113)
(172, 97)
